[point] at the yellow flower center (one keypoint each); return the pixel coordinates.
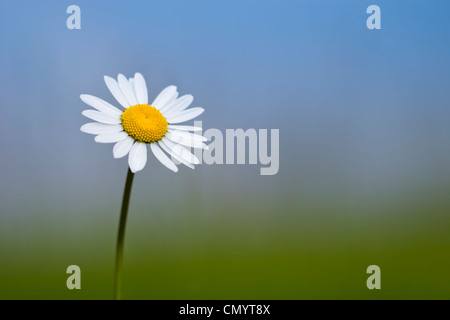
(144, 123)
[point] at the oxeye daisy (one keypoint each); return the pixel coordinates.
(138, 125)
(141, 124)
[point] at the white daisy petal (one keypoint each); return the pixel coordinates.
(124, 86)
(100, 105)
(180, 151)
(100, 128)
(122, 148)
(184, 140)
(185, 115)
(101, 117)
(184, 128)
(174, 98)
(111, 137)
(163, 158)
(113, 86)
(140, 88)
(178, 105)
(188, 135)
(175, 155)
(165, 96)
(131, 82)
(137, 157)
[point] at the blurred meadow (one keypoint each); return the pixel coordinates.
(364, 178)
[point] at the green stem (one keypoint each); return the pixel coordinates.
(121, 235)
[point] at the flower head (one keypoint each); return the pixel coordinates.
(141, 124)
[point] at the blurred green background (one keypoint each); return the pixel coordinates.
(364, 173)
(198, 247)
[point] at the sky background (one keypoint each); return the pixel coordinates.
(364, 177)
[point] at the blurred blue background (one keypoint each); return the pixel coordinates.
(364, 150)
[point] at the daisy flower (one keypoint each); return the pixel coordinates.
(140, 125)
(136, 126)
